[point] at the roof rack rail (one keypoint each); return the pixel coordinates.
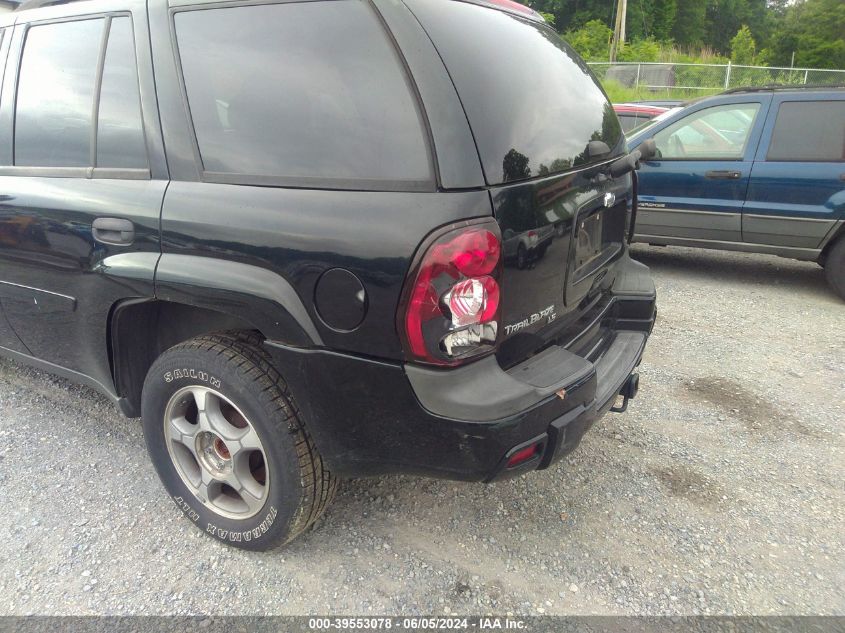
(37, 4)
(774, 87)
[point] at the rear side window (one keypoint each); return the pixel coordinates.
(58, 89)
(812, 131)
(301, 90)
(120, 134)
(56, 94)
(532, 103)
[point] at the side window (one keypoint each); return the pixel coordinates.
(812, 131)
(56, 94)
(57, 89)
(717, 133)
(120, 134)
(300, 90)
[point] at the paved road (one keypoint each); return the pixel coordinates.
(721, 491)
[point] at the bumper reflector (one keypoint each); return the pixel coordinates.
(523, 455)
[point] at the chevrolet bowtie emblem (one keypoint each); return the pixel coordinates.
(609, 199)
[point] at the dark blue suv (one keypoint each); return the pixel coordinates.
(759, 170)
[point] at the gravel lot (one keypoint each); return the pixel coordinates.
(720, 491)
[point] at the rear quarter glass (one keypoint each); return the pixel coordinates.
(532, 103)
(809, 131)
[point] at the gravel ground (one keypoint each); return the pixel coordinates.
(720, 491)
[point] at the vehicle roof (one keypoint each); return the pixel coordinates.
(750, 90)
(785, 88)
(508, 6)
(661, 103)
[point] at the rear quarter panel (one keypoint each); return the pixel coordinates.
(299, 234)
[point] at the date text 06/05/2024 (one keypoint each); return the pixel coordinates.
(416, 623)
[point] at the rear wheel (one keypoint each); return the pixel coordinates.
(834, 267)
(229, 444)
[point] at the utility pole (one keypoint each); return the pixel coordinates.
(619, 28)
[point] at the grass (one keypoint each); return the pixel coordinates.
(621, 94)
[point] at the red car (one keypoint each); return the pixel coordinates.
(633, 115)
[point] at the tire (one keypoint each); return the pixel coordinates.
(244, 469)
(834, 267)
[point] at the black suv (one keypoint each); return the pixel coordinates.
(274, 230)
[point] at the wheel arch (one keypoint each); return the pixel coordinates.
(141, 329)
(194, 296)
(836, 235)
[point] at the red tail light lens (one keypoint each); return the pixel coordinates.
(453, 303)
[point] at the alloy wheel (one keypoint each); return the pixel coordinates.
(217, 452)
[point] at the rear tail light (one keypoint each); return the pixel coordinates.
(452, 301)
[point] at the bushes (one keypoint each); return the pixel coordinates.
(646, 50)
(592, 41)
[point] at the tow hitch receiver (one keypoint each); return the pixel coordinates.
(628, 392)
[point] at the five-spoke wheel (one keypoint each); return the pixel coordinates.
(217, 452)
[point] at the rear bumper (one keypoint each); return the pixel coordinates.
(369, 417)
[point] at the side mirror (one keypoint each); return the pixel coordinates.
(630, 162)
(648, 149)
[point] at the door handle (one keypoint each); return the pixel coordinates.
(114, 231)
(723, 174)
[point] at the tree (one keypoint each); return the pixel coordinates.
(592, 41)
(651, 19)
(743, 47)
(549, 18)
(690, 26)
(515, 166)
(815, 31)
(571, 15)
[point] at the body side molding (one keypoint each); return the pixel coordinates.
(805, 254)
(44, 299)
(64, 372)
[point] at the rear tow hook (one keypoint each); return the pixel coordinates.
(628, 392)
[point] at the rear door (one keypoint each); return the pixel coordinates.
(797, 189)
(695, 188)
(8, 338)
(80, 208)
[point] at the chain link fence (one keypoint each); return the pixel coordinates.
(692, 79)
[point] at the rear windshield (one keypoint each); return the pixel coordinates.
(532, 103)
